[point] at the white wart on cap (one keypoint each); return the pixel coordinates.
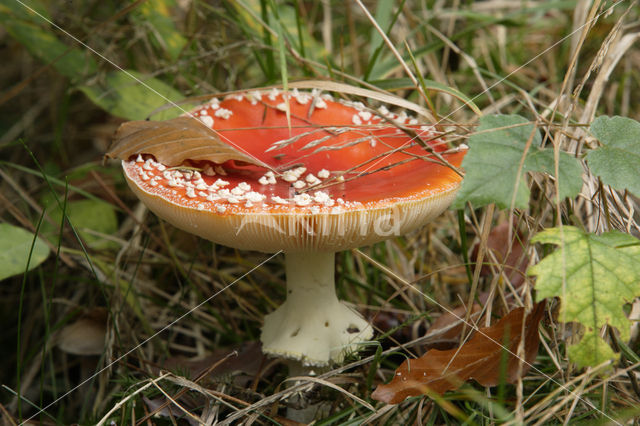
(333, 176)
(312, 198)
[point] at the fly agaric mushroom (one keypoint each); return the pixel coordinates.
(298, 172)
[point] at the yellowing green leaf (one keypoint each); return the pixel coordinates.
(287, 19)
(157, 14)
(15, 247)
(495, 168)
(591, 350)
(594, 276)
(90, 218)
(27, 10)
(31, 29)
(617, 162)
(134, 96)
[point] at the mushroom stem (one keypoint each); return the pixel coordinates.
(312, 325)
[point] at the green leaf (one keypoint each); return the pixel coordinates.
(134, 96)
(495, 170)
(165, 35)
(385, 18)
(617, 162)
(594, 276)
(15, 246)
(591, 350)
(570, 170)
(493, 160)
(33, 32)
(287, 18)
(88, 217)
(30, 10)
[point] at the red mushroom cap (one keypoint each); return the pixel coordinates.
(342, 175)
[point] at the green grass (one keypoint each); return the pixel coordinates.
(146, 274)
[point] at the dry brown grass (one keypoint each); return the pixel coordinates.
(142, 284)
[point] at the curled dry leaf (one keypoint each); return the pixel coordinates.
(479, 359)
(174, 141)
(383, 97)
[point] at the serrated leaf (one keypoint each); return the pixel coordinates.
(594, 276)
(134, 96)
(617, 162)
(15, 245)
(570, 170)
(495, 170)
(88, 217)
(591, 350)
(491, 165)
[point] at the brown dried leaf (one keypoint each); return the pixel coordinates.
(173, 141)
(449, 325)
(242, 367)
(515, 261)
(479, 359)
(384, 97)
(164, 407)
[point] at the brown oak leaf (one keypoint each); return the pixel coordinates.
(479, 359)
